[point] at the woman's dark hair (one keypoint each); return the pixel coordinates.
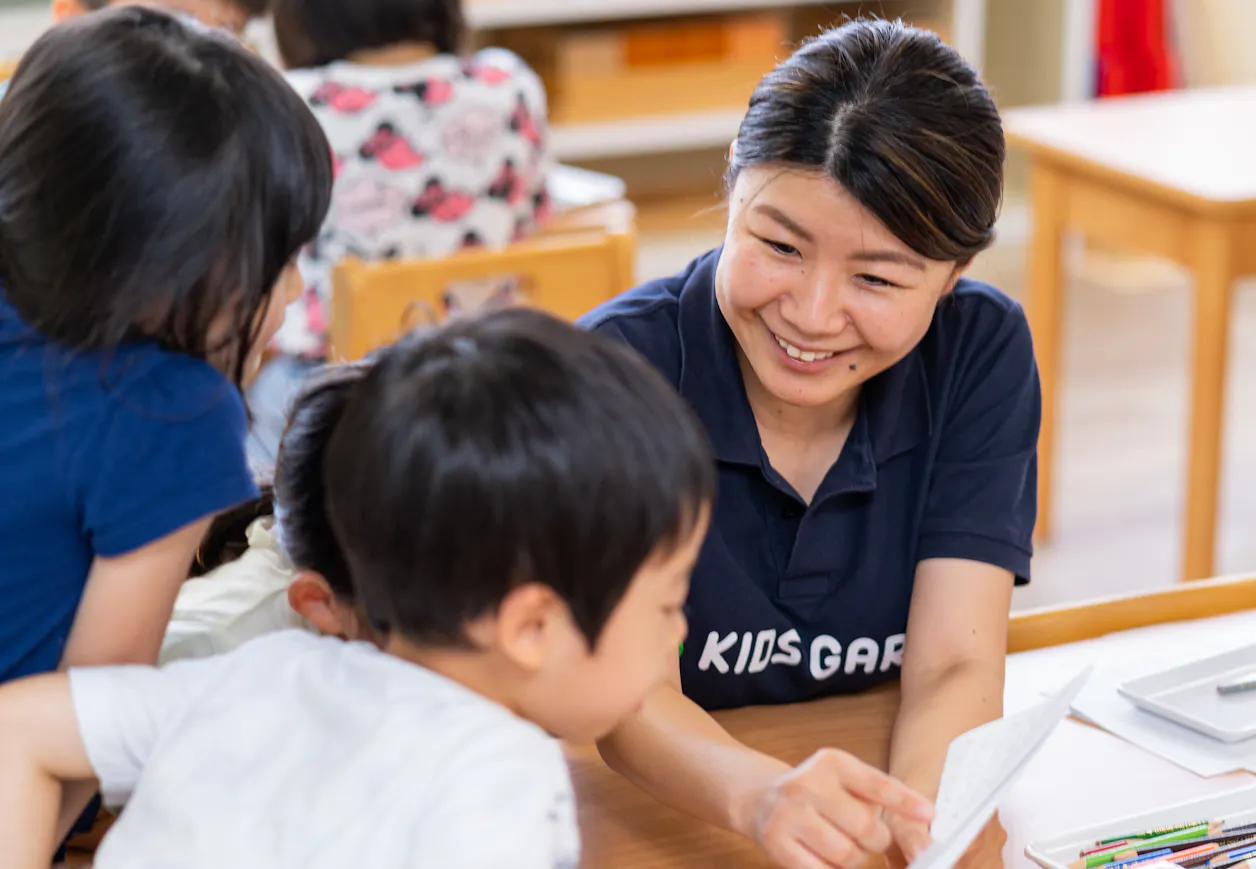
(318, 32)
(506, 449)
(155, 180)
(297, 496)
(896, 117)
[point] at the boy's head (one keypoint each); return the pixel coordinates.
(523, 501)
(321, 591)
(232, 15)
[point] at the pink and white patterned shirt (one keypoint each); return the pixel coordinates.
(430, 158)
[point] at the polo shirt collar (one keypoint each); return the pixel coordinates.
(895, 412)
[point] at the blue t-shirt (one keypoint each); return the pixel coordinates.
(99, 456)
(790, 600)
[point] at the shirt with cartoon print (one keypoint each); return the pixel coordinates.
(430, 158)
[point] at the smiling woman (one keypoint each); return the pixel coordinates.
(875, 418)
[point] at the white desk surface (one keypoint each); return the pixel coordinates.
(1085, 776)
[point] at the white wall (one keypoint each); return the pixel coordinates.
(1216, 37)
(20, 26)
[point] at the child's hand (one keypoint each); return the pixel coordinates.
(828, 813)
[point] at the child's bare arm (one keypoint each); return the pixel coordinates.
(128, 599)
(40, 748)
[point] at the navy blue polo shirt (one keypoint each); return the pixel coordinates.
(790, 600)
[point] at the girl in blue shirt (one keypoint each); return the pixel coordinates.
(156, 182)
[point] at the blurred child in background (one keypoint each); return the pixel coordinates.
(435, 151)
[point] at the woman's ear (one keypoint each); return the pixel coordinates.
(956, 273)
(312, 599)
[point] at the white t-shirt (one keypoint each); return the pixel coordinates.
(304, 752)
(234, 603)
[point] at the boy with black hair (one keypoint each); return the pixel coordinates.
(519, 504)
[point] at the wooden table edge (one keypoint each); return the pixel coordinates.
(1058, 626)
(1104, 173)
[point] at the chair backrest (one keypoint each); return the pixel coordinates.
(7, 68)
(565, 274)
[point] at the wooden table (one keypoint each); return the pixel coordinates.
(622, 827)
(1166, 174)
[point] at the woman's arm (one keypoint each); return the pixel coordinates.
(40, 750)
(128, 599)
(825, 813)
(953, 668)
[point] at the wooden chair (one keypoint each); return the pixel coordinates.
(565, 273)
(7, 68)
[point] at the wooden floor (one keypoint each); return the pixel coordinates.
(1123, 417)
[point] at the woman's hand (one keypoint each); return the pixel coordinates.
(832, 812)
(912, 837)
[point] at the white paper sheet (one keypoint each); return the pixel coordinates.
(572, 187)
(1100, 704)
(980, 766)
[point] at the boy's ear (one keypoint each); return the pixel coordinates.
(312, 598)
(526, 626)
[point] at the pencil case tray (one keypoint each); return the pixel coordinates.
(1057, 852)
(1188, 695)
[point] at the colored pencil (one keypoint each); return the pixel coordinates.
(1232, 855)
(1192, 849)
(1225, 852)
(1237, 863)
(1098, 848)
(1238, 837)
(1104, 858)
(1150, 858)
(1151, 834)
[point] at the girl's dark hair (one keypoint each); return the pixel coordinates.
(300, 492)
(505, 449)
(896, 117)
(155, 180)
(255, 8)
(296, 497)
(227, 538)
(318, 32)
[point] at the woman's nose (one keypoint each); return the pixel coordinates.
(818, 307)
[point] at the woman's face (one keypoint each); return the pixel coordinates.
(820, 294)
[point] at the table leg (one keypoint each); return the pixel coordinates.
(1212, 260)
(1044, 308)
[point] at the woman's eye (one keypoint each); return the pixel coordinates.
(874, 281)
(780, 247)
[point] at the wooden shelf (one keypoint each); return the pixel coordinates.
(497, 14)
(637, 136)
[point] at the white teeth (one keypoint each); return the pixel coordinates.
(801, 355)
